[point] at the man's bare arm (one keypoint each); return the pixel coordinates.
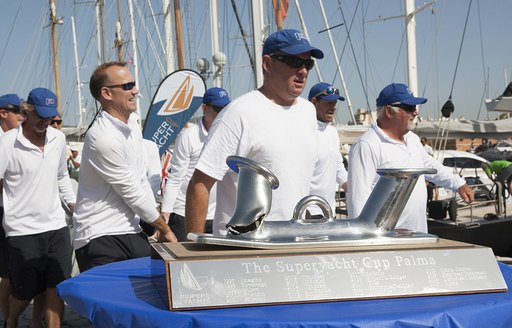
(196, 206)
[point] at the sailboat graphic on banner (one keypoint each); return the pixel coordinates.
(178, 97)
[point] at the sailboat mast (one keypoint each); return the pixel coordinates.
(169, 44)
(179, 38)
(79, 92)
(410, 22)
(119, 33)
(219, 58)
(257, 28)
(135, 57)
(100, 31)
(55, 21)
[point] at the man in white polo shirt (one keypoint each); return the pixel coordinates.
(113, 191)
(391, 144)
(34, 171)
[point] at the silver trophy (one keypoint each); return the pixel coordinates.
(375, 225)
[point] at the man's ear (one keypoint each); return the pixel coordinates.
(265, 62)
(106, 93)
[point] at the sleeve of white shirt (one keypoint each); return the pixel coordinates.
(180, 161)
(3, 155)
(362, 170)
(110, 164)
(341, 172)
(444, 176)
(153, 165)
(64, 182)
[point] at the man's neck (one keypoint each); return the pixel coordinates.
(117, 114)
(275, 97)
(390, 132)
(37, 138)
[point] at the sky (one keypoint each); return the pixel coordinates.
(371, 49)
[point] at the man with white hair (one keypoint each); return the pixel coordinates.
(390, 143)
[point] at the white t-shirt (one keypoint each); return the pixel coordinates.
(189, 144)
(33, 180)
(376, 150)
(113, 192)
(329, 168)
(283, 139)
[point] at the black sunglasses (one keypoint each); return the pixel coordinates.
(125, 86)
(294, 62)
(59, 122)
(328, 91)
(12, 108)
(407, 108)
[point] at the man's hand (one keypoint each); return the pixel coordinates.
(467, 193)
(163, 233)
(168, 237)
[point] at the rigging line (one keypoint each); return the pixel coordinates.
(353, 51)
(244, 37)
(149, 39)
(10, 32)
(486, 81)
(460, 48)
(157, 29)
(486, 86)
(398, 55)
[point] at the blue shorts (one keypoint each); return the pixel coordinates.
(38, 262)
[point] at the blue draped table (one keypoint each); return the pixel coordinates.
(122, 295)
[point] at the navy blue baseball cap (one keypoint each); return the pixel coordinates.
(398, 93)
(324, 91)
(44, 101)
(10, 99)
(290, 41)
(216, 97)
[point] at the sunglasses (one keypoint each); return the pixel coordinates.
(294, 62)
(328, 91)
(407, 108)
(59, 122)
(125, 86)
(12, 108)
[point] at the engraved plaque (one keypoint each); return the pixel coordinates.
(247, 281)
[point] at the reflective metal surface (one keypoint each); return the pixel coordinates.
(375, 225)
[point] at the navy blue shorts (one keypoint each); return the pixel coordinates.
(114, 248)
(4, 257)
(38, 262)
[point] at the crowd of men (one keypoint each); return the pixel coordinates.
(114, 209)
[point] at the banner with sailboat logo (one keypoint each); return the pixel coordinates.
(177, 98)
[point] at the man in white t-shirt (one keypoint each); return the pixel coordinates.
(390, 143)
(187, 149)
(273, 126)
(34, 171)
(329, 168)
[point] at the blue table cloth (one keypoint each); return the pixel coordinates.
(122, 295)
